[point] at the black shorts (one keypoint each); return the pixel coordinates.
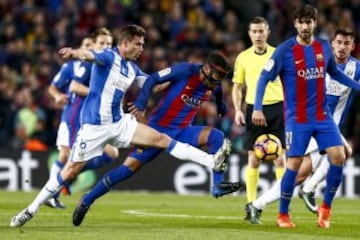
(274, 114)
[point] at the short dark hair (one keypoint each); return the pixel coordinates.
(100, 31)
(346, 31)
(130, 31)
(218, 62)
(307, 12)
(258, 20)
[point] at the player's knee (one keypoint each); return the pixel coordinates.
(338, 158)
(112, 151)
(348, 151)
(162, 140)
(253, 161)
(133, 164)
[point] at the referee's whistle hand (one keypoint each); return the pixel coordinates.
(258, 118)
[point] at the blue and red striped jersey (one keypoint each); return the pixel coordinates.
(181, 100)
(302, 70)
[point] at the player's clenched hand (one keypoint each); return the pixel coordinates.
(66, 52)
(239, 117)
(140, 115)
(61, 99)
(258, 118)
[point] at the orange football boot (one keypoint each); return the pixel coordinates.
(284, 221)
(324, 217)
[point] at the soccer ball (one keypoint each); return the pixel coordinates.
(267, 147)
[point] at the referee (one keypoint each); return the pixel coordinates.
(247, 69)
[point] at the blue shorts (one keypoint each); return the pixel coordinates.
(188, 135)
(326, 134)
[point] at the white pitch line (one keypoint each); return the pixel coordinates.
(153, 214)
(150, 214)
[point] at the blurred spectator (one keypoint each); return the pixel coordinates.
(29, 122)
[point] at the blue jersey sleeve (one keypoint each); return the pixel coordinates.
(105, 57)
(62, 79)
(270, 72)
(140, 76)
(167, 74)
(82, 74)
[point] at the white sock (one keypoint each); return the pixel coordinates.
(51, 187)
(318, 175)
(184, 151)
(54, 170)
(270, 196)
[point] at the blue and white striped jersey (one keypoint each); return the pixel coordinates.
(111, 76)
(339, 96)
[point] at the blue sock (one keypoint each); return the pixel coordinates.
(287, 190)
(59, 164)
(171, 146)
(97, 162)
(215, 141)
(109, 180)
(333, 180)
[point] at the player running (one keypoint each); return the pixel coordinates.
(302, 63)
(339, 98)
(74, 78)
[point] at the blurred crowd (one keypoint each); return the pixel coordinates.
(32, 31)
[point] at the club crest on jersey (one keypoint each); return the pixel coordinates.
(311, 73)
(164, 72)
(319, 57)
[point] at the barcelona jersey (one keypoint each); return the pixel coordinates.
(177, 108)
(302, 70)
(181, 101)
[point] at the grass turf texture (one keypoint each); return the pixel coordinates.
(126, 215)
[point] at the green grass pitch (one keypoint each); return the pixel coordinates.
(128, 215)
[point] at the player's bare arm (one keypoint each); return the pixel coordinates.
(79, 88)
(59, 97)
(258, 118)
(239, 117)
(80, 54)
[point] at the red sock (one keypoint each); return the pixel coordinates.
(324, 205)
(282, 215)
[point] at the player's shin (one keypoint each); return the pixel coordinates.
(185, 151)
(287, 190)
(333, 180)
(53, 185)
(109, 180)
